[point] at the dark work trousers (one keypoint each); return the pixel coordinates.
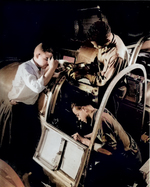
(25, 134)
(117, 170)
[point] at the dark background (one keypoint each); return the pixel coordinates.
(24, 24)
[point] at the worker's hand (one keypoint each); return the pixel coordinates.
(79, 138)
(145, 138)
(13, 102)
(52, 63)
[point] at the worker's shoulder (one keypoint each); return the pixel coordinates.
(27, 65)
(121, 49)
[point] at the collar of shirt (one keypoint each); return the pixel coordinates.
(36, 69)
(34, 66)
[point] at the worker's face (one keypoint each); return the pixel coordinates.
(42, 59)
(81, 114)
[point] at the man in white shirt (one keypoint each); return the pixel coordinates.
(30, 80)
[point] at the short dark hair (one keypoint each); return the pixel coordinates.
(47, 47)
(75, 105)
(98, 32)
(81, 100)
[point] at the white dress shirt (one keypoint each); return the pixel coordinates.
(28, 83)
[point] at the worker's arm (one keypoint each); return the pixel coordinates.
(50, 70)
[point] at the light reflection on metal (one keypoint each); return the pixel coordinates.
(137, 50)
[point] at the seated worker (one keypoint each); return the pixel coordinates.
(30, 80)
(117, 159)
(110, 53)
